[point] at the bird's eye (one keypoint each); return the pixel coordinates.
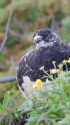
(37, 39)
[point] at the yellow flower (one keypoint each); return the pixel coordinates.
(64, 61)
(68, 60)
(41, 68)
(53, 62)
(34, 87)
(60, 65)
(38, 82)
(53, 71)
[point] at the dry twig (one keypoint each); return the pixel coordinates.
(7, 29)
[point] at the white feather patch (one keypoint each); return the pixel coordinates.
(28, 85)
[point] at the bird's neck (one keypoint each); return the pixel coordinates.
(48, 44)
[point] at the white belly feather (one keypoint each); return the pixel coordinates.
(28, 85)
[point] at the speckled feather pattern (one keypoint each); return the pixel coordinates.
(30, 64)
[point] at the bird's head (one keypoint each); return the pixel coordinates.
(44, 37)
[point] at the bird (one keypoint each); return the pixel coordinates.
(48, 48)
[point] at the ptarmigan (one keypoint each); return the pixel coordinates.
(48, 48)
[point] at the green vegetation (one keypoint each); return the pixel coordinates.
(51, 107)
(43, 107)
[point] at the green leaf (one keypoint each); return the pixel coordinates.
(34, 119)
(6, 100)
(3, 3)
(25, 106)
(0, 109)
(64, 96)
(40, 118)
(3, 15)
